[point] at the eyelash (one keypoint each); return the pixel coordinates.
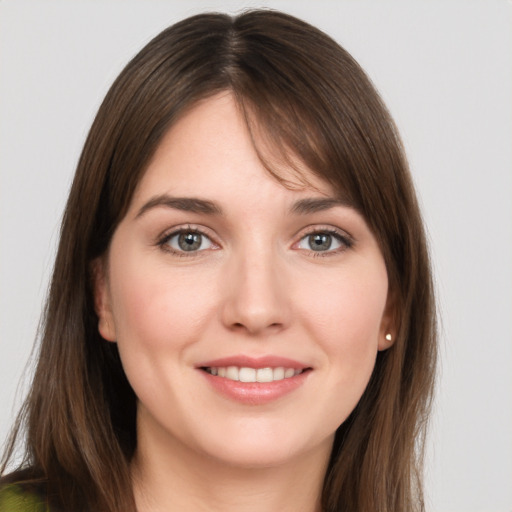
(346, 241)
(343, 238)
(163, 242)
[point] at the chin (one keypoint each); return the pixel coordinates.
(259, 450)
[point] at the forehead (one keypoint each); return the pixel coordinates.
(210, 150)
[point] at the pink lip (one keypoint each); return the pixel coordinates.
(255, 393)
(254, 362)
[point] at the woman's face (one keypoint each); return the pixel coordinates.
(248, 315)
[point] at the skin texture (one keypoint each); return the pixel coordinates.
(255, 288)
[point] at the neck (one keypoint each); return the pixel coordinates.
(180, 479)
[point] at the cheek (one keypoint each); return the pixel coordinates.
(346, 303)
(159, 314)
(344, 315)
(155, 309)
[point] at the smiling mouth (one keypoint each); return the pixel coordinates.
(247, 374)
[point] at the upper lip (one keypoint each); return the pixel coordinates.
(243, 361)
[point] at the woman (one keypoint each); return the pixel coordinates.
(241, 314)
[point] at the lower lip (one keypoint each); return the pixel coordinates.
(255, 393)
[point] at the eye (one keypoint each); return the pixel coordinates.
(187, 241)
(324, 241)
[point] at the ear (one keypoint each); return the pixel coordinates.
(102, 300)
(389, 323)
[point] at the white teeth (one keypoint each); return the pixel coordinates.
(264, 375)
(232, 373)
(279, 373)
(289, 372)
(246, 374)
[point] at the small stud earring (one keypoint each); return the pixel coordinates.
(389, 337)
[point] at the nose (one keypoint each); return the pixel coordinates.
(256, 300)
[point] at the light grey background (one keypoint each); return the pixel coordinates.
(444, 69)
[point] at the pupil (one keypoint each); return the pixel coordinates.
(189, 241)
(320, 242)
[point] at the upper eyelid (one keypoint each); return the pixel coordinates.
(170, 232)
(324, 228)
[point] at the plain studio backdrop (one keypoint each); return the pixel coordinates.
(445, 70)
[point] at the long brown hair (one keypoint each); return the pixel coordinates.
(312, 103)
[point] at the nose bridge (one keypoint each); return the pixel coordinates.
(255, 300)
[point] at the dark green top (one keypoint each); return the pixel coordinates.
(14, 499)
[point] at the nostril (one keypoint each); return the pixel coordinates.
(255, 327)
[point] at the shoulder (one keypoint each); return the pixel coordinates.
(14, 499)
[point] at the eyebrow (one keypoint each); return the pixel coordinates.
(185, 204)
(196, 205)
(313, 204)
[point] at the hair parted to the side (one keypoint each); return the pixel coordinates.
(310, 102)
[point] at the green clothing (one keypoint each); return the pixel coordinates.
(14, 499)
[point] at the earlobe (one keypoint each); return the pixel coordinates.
(386, 341)
(102, 301)
(387, 334)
